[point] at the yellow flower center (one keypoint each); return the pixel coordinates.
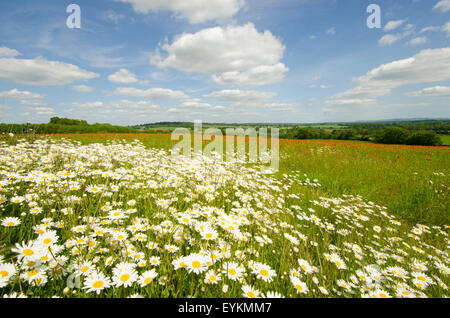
(212, 278)
(32, 273)
(84, 269)
(147, 280)
(208, 235)
(10, 224)
(196, 264)
(28, 252)
(299, 287)
(251, 294)
(98, 284)
(124, 277)
(47, 241)
(4, 273)
(264, 272)
(232, 271)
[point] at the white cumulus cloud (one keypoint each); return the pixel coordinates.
(443, 5)
(20, 95)
(7, 52)
(233, 55)
(431, 65)
(195, 11)
(123, 76)
(392, 25)
(151, 93)
(437, 91)
(39, 71)
(82, 88)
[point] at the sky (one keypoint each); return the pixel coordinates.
(129, 62)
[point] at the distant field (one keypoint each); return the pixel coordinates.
(446, 140)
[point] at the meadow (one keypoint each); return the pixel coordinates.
(115, 215)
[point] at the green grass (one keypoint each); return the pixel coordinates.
(402, 178)
(445, 140)
(286, 218)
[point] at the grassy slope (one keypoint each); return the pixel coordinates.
(402, 178)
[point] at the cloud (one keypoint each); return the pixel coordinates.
(390, 39)
(112, 16)
(437, 91)
(418, 40)
(123, 76)
(430, 29)
(82, 88)
(7, 52)
(40, 71)
(32, 102)
(233, 55)
(151, 93)
(197, 11)
(443, 5)
(116, 105)
(331, 31)
(20, 95)
(392, 25)
(446, 28)
(43, 110)
(237, 95)
(432, 65)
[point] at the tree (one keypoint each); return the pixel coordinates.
(424, 138)
(392, 135)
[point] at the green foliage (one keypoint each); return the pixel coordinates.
(392, 135)
(424, 138)
(64, 126)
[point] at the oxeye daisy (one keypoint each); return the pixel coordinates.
(250, 292)
(147, 277)
(323, 290)
(93, 189)
(36, 275)
(179, 263)
(47, 238)
(155, 260)
(233, 270)
(171, 248)
(196, 263)
(27, 251)
(305, 266)
(420, 276)
(96, 282)
(119, 236)
(300, 286)
(209, 234)
(7, 271)
(211, 277)
(84, 268)
(264, 272)
(35, 211)
(124, 275)
(11, 221)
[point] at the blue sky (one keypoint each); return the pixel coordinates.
(286, 61)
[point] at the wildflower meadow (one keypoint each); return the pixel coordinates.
(116, 216)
